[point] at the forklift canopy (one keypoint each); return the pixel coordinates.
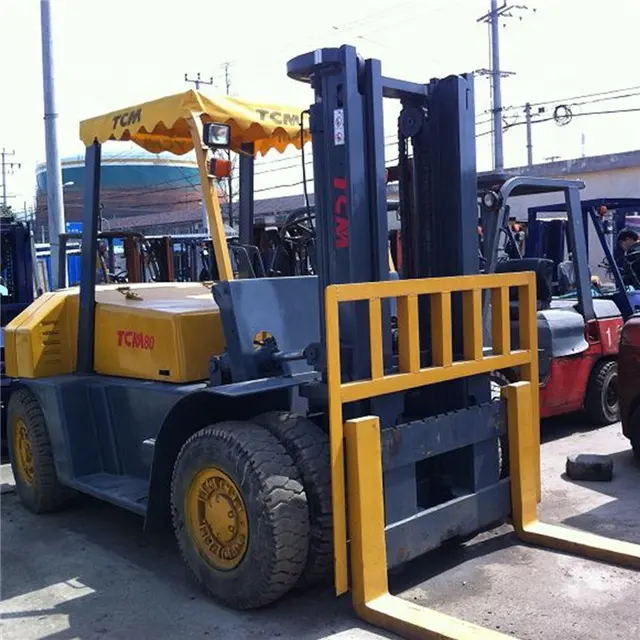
(163, 124)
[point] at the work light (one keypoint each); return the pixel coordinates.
(491, 200)
(216, 136)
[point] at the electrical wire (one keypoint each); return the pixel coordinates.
(575, 115)
(581, 97)
(346, 28)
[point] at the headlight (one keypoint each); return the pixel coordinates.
(490, 200)
(216, 136)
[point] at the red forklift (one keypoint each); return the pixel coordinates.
(578, 329)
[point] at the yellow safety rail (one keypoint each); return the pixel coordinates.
(411, 375)
(370, 594)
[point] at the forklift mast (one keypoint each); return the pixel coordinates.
(437, 194)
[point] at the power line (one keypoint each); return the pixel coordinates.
(333, 30)
(579, 114)
(297, 184)
(581, 97)
(607, 98)
(295, 162)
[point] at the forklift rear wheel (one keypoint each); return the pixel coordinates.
(240, 514)
(31, 456)
(602, 403)
(308, 446)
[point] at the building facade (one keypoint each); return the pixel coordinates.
(161, 192)
(614, 175)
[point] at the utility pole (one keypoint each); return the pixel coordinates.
(203, 209)
(6, 165)
(497, 89)
(492, 18)
(55, 204)
(197, 80)
(527, 113)
(230, 158)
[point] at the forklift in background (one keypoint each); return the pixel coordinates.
(18, 288)
(270, 456)
(125, 257)
(121, 257)
(578, 323)
(549, 238)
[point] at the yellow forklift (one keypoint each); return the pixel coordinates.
(284, 428)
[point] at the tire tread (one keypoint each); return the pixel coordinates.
(285, 517)
(309, 449)
(593, 399)
(49, 494)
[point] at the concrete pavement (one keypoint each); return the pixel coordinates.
(90, 572)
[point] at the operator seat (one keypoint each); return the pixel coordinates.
(566, 277)
(543, 268)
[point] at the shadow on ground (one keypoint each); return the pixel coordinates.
(113, 580)
(617, 517)
(569, 424)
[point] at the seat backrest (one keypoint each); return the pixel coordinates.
(566, 277)
(285, 308)
(542, 267)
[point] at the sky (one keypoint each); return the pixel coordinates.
(110, 54)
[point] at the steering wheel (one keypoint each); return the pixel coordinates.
(120, 277)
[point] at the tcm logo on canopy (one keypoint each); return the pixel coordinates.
(127, 118)
(279, 117)
(135, 340)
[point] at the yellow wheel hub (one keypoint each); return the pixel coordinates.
(22, 452)
(217, 518)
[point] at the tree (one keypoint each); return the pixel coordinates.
(6, 211)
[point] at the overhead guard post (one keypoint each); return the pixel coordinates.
(246, 219)
(91, 213)
(212, 204)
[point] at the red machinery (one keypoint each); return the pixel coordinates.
(629, 363)
(578, 331)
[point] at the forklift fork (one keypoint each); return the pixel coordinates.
(362, 436)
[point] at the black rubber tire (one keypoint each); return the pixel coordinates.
(602, 382)
(308, 446)
(46, 494)
(276, 505)
(500, 379)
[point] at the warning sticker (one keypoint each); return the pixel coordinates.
(338, 127)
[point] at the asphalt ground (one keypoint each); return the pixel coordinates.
(90, 572)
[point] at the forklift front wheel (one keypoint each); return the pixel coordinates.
(497, 381)
(31, 456)
(602, 403)
(240, 514)
(308, 446)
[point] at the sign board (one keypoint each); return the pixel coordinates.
(74, 227)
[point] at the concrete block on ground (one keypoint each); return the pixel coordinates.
(590, 467)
